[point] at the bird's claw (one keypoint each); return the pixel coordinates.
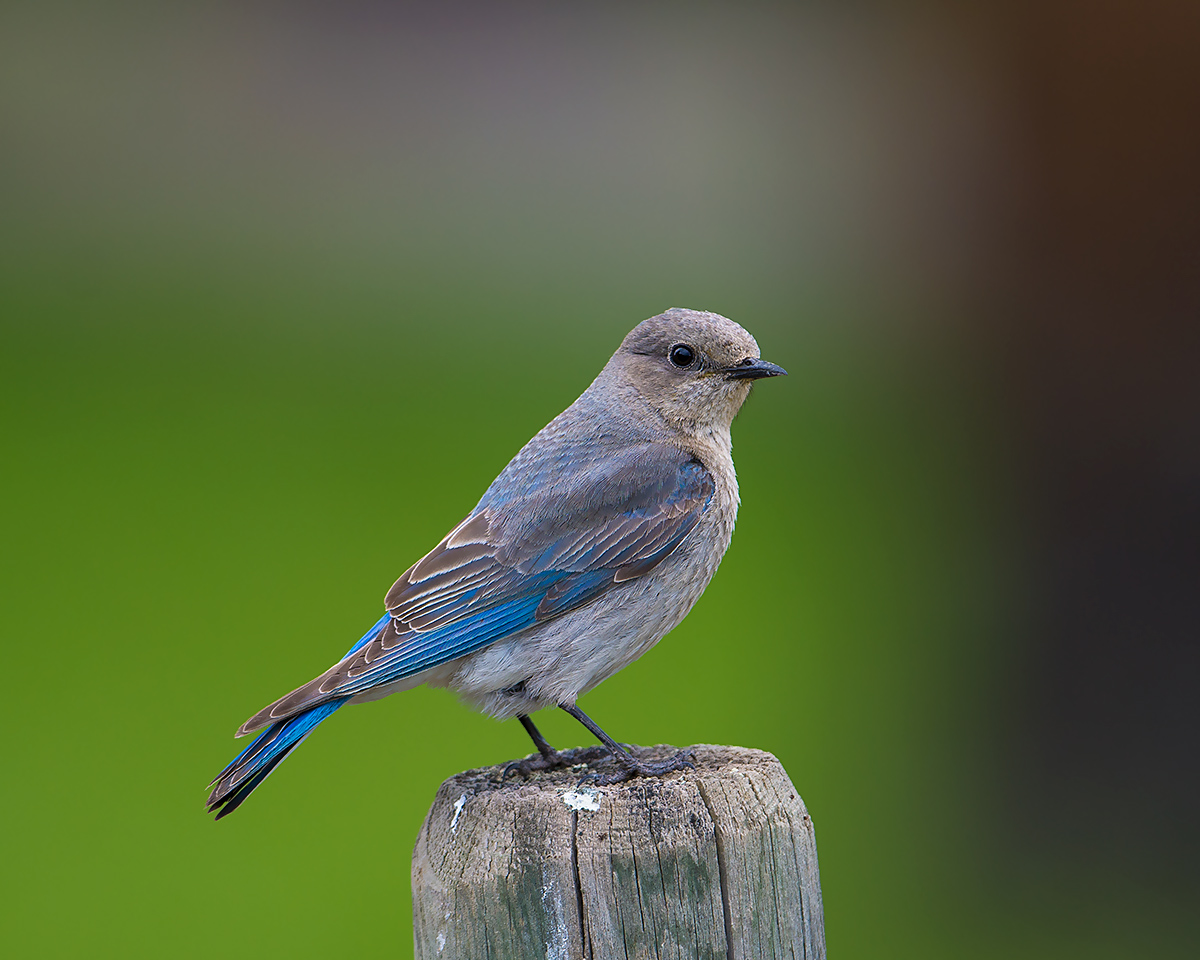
(524, 767)
(629, 766)
(554, 761)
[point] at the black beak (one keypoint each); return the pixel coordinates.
(753, 368)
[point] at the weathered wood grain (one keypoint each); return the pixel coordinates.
(716, 862)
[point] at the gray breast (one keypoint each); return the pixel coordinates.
(558, 661)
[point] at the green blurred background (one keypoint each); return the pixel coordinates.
(283, 288)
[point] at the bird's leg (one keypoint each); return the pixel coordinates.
(544, 748)
(548, 758)
(628, 765)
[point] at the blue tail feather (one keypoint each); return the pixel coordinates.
(252, 766)
(271, 747)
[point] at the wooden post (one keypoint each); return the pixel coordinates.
(720, 862)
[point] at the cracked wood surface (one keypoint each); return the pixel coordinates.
(716, 862)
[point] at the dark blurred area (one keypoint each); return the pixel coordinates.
(238, 244)
(1100, 371)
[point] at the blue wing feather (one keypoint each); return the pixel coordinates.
(463, 637)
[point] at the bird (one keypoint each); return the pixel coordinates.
(591, 545)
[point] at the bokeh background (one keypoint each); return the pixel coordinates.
(283, 287)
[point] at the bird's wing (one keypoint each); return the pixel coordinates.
(533, 549)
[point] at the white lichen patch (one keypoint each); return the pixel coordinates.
(556, 946)
(582, 798)
(458, 809)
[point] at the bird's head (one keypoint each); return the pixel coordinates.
(695, 369)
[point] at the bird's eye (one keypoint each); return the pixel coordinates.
(681, 355)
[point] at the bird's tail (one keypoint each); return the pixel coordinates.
(254, 764)
(270, 748)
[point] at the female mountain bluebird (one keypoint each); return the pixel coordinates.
(592, 544)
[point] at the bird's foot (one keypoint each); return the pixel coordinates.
(554, 760)
(629, 766)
